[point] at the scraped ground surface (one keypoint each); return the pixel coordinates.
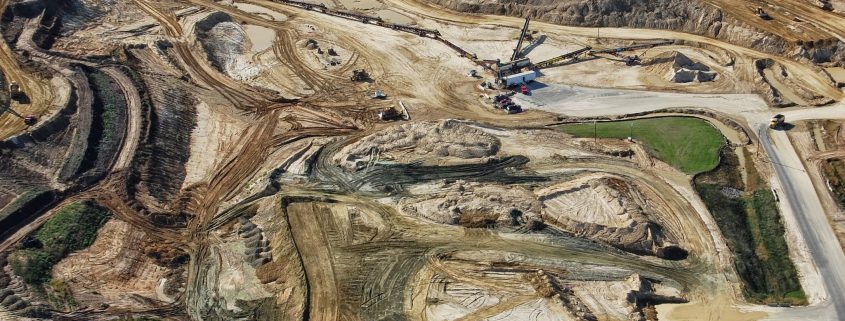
(248, 176)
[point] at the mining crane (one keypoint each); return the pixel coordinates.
(517, 51)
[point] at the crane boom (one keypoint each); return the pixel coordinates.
(516, 52)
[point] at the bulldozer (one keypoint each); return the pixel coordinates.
(360, 75)
(14, 90)
(762, 14)
(389, 114)
(777, 121)
(30, 120)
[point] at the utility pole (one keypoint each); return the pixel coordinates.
(632, 130)
(595, 131)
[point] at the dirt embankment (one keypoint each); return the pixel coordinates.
(695, 17)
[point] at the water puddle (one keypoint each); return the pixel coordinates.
(260, 37)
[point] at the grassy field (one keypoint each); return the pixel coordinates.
(72, 228)
(687, 143)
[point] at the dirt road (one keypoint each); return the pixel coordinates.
(309, 237)
(803, 211)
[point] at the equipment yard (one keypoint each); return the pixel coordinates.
(422, 160)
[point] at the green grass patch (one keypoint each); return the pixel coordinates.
(754, 231)
(109, 100)
(687, 143)
(22, 199)
(72, 228)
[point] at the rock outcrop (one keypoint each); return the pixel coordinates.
(695, 17)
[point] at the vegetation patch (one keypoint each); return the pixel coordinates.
(72, 228)
(21, 200)
(752, 226)
(834, 171)
(687, 143)
(107, 125)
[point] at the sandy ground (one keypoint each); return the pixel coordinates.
(582, 101)
(113, 269)
(240, 138)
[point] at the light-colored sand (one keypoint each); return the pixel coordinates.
(260, 37)
(838, 73)
(360, 4)
(261, 11)
(711, 311)
(784, 90)
(394, 17)
(213, 133)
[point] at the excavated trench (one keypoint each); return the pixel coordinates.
(108, 126)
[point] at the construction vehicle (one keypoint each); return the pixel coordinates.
(513, 109)
(14, 90)
(762, 14)
(389, 114)
(518, 51)
(777, 121)
(30, 120)
(360, 75)
(632, 60)
(378, 94)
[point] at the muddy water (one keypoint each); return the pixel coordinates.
(360, 4)
(262, 11)
(260, 37)
(394, 17)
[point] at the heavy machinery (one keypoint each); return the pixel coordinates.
(618, 50)
(360, 75)
(30, 120)
(762, 14)
(552, 61)
(632, 60)
(389, 114)
(518, 51)
(14, 90)
(378, 94)
(777, 121)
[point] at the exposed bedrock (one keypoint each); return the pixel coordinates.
(679, 15)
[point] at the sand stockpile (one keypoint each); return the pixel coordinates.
(442, 142)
